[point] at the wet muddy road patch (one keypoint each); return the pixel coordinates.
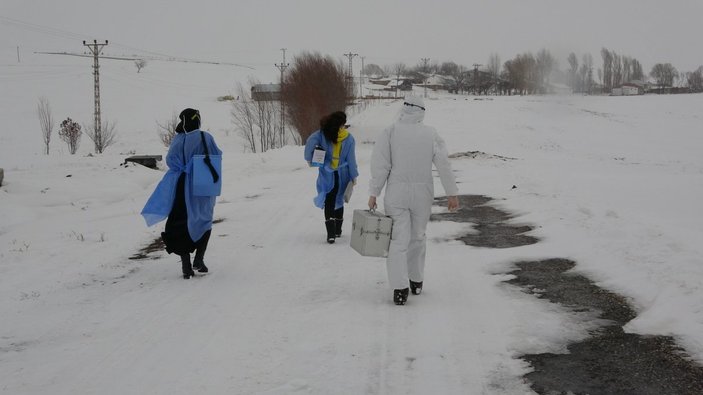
(611, 361)
(491, 224)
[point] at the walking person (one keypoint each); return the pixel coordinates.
(188, 217)
(336, 171)
(402, 161)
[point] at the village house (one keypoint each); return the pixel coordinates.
(266, 92)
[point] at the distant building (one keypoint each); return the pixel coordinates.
(627, 89)
(266, 92)
(403, 85)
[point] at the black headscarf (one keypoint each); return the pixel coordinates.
(330, 125)
(189, 120)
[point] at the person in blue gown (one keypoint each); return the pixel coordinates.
(337, 172)
(188, 217)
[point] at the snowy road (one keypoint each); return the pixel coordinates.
(283, 312)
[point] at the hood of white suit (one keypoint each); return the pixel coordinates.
(413, 110)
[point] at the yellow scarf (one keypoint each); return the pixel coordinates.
(337, 147)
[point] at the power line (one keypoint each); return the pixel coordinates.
(136, 57)
(55, 32)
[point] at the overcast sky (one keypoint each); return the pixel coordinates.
(252, 32)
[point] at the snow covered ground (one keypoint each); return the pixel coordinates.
(613, 183)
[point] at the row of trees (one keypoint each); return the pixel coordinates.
(317, 85)
(529, 73)
(70, 131)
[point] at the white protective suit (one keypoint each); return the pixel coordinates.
(402, 161)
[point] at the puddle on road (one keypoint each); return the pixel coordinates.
(611, 361)
(492, 225)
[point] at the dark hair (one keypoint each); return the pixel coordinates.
(330, 125)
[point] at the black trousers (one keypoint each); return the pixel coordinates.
(175, 236)
(330, 198)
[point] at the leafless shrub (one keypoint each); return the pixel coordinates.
(46, 121)
(315, 86)
(258, 121)
(140, 64)
(102, 138)
(167, 130)
(70, 132)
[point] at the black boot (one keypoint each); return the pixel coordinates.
(329, 224)
(199, 265)
(415, 287)
(187, 269)
(400, 296)
(338, 227)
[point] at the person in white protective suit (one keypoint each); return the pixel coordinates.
(402, 160)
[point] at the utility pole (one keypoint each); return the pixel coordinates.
(95, 49)
(350, 84)
(361, 78)
(425, 63)
(283, 66)
(18, 54)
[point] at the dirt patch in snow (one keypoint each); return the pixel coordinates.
(611, 361)
(491, 224)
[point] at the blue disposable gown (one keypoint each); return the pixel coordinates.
(179, 160)
(325, 178)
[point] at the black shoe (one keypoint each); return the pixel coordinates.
(200, 267)
(338, 227)
(400, 296)
(329, 225)
(416, 287)
(186, 268)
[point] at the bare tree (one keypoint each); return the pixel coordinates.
(102, 138)
(626, 69)
(448, 68)
(494, 68)
(373, 69)
(617, 69)
(243, 118)
(399, 70)
(573, 72)
(258, 122)
(694, 80)
(587, 73)
(522, 74)
(70, 132)
(140, 64)
(315, 86)
(461, 77)
(167, 130)
(637, 73)
(607, 68)
(546, 63)
(46, 121)
(664, 74)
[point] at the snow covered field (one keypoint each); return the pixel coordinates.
(614, 183)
